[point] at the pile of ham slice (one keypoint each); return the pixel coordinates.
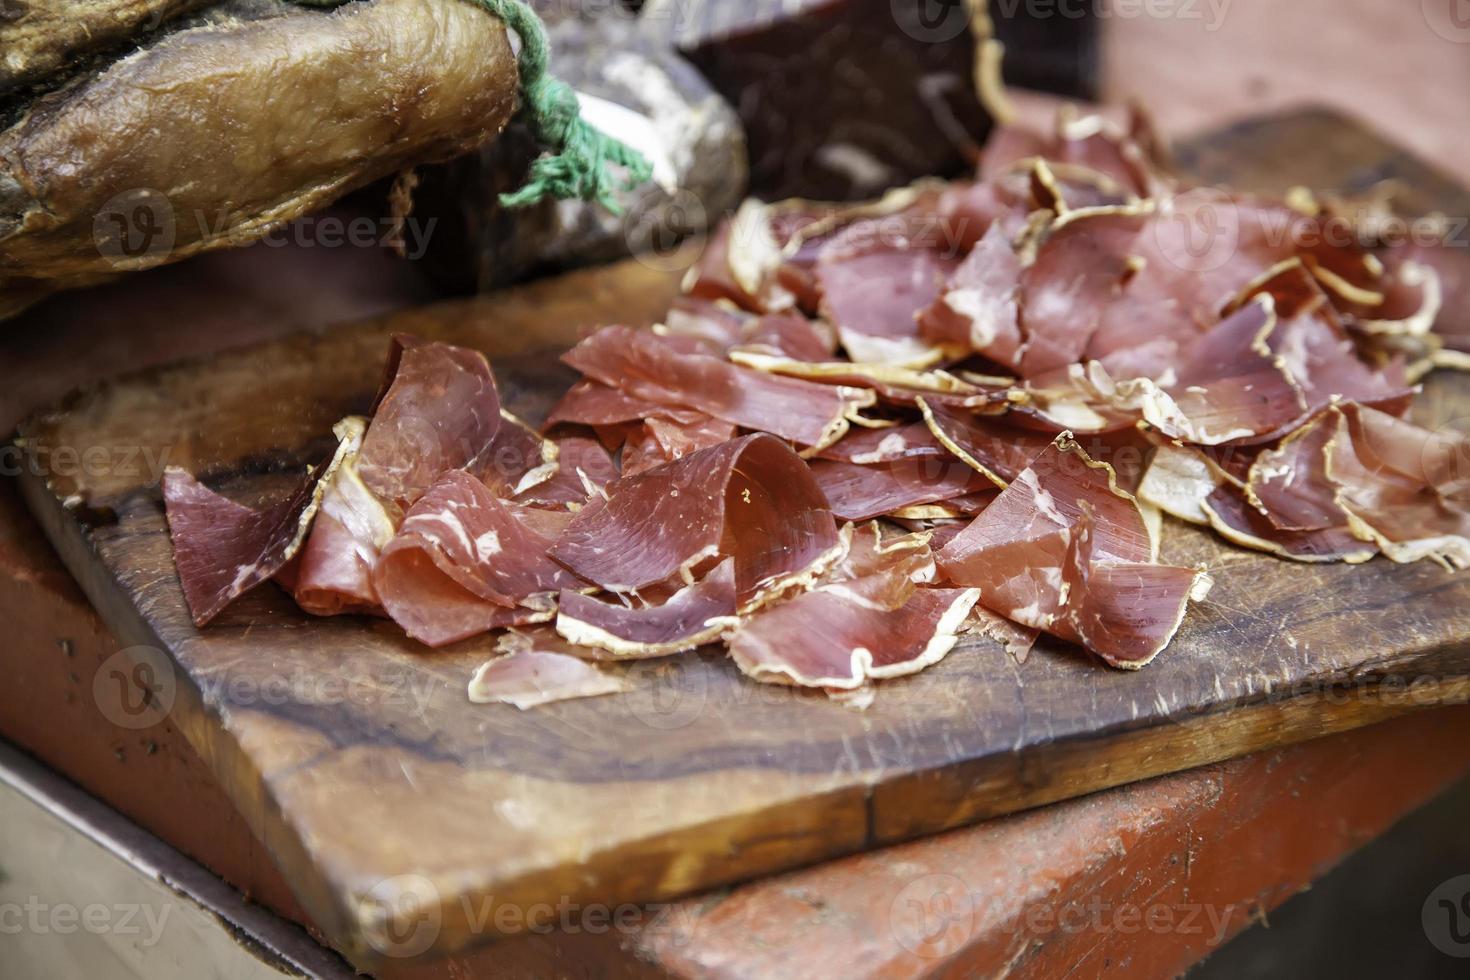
(865, 430)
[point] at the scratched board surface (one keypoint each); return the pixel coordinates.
(409, 820)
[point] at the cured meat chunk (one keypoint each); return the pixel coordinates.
(691, 617)
(1234, 519)
(858, 492)
(529, 678)
(439, 411)
(643, 365)
(978, 310)
(751, 499)
(591, 402)
(464, 561)
(224, 549)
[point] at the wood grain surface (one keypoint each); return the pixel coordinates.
(402, 814)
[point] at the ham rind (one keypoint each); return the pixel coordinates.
(439, 411)
(1404, 488)
(995, 450)
(873, 292)
(858, 493)
(1078, 269)
(751, 499)
(887, 445)
(835, 639)
(891, 382)
(583, 469)
(223, 549)
(529, 678)
(517, 460)
(641, 364)
(979, 308)
(691, 617)
(1124, 612)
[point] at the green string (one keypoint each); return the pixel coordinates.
(576, 165)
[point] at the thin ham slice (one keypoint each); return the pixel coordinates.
(857, 492)
(979, 309)
(334, 575)
(691, 617)
(874, 290)
(751, 499)
(223, 549)
(439, 411)
(464, 561)
(870, 616)
(886, 445)
(583, 468)
(530, 678)
(643, 365)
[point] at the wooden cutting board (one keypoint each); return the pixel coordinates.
(410, 820)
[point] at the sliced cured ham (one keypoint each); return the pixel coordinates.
(873, 292)
(751, 499)
(979, 309)
(584, 467)
(885, 445)
(439, 411)
(223, 549)
(530, 678)
(641, 364)
(995, 450)
(689, 618)
(871, 616)
(517, 459)
(857, 492)
(464, 561)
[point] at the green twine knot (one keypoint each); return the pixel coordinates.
(577, 164)
(578, 155)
